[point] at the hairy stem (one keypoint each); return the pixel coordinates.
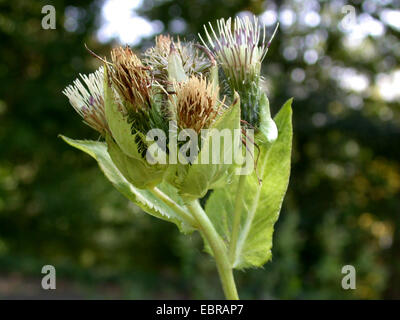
(183, 213)
(218, 248)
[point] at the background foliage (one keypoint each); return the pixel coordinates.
(343, 203)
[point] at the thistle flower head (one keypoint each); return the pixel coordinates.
(87, 99)
(131, 79)
(240, 48)
(194, 61)
(196, 104)
(237, 48)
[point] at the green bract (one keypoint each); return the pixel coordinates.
(268, 129)
(175, 67)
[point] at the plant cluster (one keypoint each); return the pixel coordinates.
(196, 91)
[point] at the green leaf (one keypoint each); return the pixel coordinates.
(261, 203)
(145, 199)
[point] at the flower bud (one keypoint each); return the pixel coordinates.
(172, 60)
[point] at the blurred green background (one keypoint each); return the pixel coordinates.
(343, 202)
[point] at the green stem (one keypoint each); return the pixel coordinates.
(218, 248)
(236, 218)
(186, 216)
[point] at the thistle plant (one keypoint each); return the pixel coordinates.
(185, 122)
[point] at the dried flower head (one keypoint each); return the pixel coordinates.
(194, 61)
(87, 98)
(196, 104)
(131, 79)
